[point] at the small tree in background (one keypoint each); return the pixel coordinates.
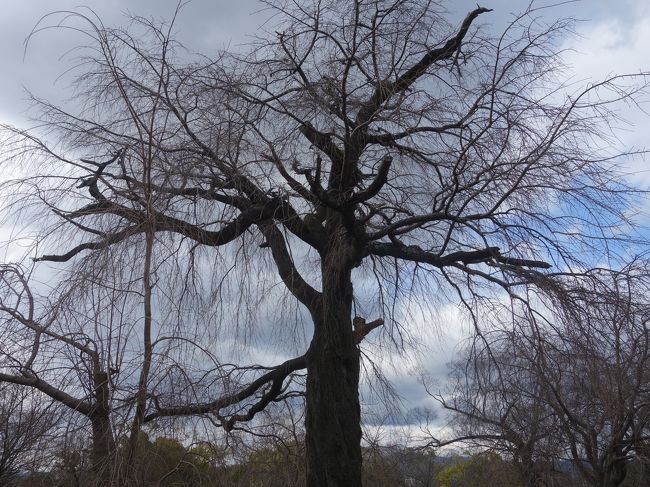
(566, 384)
(27, 422)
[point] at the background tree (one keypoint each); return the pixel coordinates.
(27, 422)
(496, 405)
(63, 362)
(363, 142)
(571, 382)
(596, 371)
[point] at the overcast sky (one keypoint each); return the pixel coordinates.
(614, 37)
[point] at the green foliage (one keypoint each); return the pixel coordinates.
(278, 465)
(484, 469)
(167, 462)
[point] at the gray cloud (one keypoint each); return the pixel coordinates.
(203, 26)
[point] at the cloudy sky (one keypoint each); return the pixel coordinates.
(613, 37)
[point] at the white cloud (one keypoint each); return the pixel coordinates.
(614, 47)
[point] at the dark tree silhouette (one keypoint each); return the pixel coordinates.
(354, 140)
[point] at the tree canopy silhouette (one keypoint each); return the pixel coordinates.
(363, 141)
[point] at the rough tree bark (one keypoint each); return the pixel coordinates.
(103, 443)
(333, 413)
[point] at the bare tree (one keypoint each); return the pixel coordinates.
(595, 374)
(62, 348)
(82, 346)
(23, 362)
(356, 141)
(495, 404)
(26, 424)
(568, 383)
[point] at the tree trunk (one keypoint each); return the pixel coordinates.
(102, 439)
(102, 449)
(616, 474)
(333, 416)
